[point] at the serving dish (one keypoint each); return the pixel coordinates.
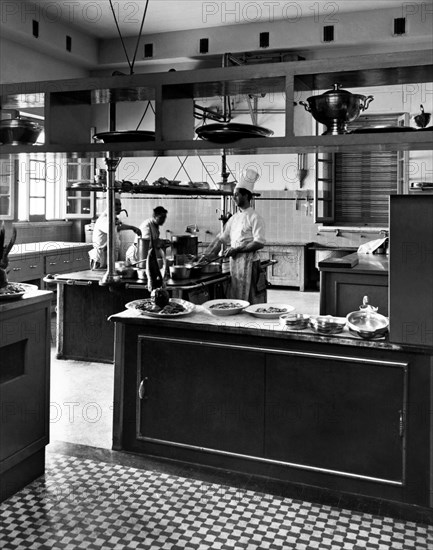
(225, 306)
(269, 310)
(226, 133)
(367, 323)
(327, 324)
(12, 291)
(125, 136)
(141, 307)
(295, 321)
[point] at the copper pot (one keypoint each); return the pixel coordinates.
(336, 108)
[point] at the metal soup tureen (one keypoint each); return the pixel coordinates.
(366, 322)
(336, 108)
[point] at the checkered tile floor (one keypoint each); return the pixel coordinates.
(85, 504)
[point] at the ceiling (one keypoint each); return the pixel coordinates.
(96, 18)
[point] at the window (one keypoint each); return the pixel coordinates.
(353, 188)
(41, 188)
(7, 186)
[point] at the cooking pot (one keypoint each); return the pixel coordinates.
(336, 108)
(212, 267)
(185, 244)
(179, 272)
(19, 131)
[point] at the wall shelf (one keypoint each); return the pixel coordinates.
(75, 104)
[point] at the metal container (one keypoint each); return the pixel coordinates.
(212, 267)
(185, 244)
(327, 324)
(336, 108)
(18, 131)
(143, 246)
(179, 272)
(366, 322)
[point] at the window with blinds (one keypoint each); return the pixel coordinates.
(364, 180)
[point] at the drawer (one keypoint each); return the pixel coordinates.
(26, 269)
(67, 260)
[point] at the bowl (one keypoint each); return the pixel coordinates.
(336, 108)
(179, 272)
(18, 131)
(327, 324)
(225, 306)
(268, 311)
(295, 321)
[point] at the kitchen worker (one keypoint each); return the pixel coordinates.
(98, 254)
(243, 236)
(150, 230)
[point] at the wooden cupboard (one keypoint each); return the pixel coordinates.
(326, 412)
(24, 389)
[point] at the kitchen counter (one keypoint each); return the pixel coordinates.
(342, 289)
(30, 262)
(84, 305)
(334, 413)
(45, 247)
(244, 323)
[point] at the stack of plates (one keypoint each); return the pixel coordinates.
(226, 133)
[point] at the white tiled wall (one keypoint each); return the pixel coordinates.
(286, 218)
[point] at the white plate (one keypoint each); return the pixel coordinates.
(135, 305)
(224, 311)
(282, 309)
(25, 288)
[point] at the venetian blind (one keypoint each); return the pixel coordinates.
(364, 180)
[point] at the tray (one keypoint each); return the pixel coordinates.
(125, 137)
(226, 133)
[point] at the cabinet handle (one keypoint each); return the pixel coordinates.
(33, 266)
(53, 263)
(16, 269)
(78, 259)
(401, 423)
(66, 261)
(142, 390)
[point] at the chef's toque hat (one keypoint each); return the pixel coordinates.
(248, 178)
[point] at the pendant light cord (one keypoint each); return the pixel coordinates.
(131, 65)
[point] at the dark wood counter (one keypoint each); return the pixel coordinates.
(338, 413)
(343, 288)
(83, 307)
(24, 389)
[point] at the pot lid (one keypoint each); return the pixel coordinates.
(337, 89)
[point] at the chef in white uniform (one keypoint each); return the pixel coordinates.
(243, 235)
(98, 254)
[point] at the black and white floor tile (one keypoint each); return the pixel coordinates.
(83, 503)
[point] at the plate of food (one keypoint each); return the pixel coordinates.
(269, 310)
(16, 290)
(227, 306)
(175, 308)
